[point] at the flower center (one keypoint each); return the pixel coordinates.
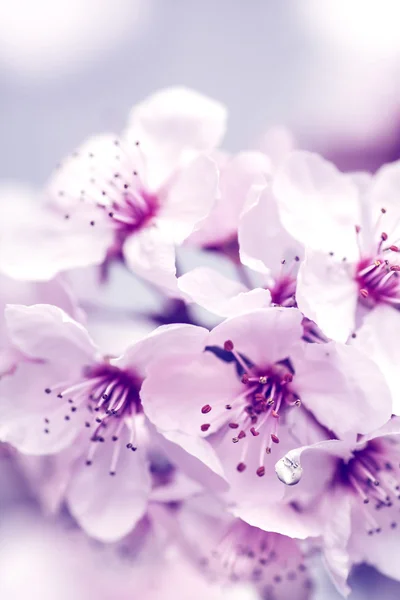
(374, 477)
(377, 273)
(248, 554)
(111, 398)
(283, 292)
(283, 289)
(267, 394)
(378, 281)
(119, 194)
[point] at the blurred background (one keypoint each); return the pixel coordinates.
(328, 70)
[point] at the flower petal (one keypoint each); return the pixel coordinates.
(33, 421)
(220, 295)
(342, 387)
(318, 204)
(381, 550)
(190, 198)
(108, 507)
(264, 336)
(176, 389)
(171, 126)
(46, 332)
(36, 242)
(162, 343)
(150, 255)
(236, 177)
(327, 294)
(280, 518)
(384, 193)
(263, 240)
(378, 338)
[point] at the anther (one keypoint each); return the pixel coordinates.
(260, 471)
(274, 438)
(241, 467)
(228, 406)
(48, 391)
(206, 409)
(112, 473)
(394, 248)
(233, 425)
(228, 345)
(245, 378)
(205, 427)
(241, 435)
(384, 236)
(364, 293)
(254, 431)
(88, 463)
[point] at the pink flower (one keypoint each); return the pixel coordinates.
(357, 509)
(265, 247)
(350, 227)
(133, 198)
(65, 394)
(228, 551)
(253, 387)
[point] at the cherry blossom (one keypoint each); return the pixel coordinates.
(349, 225)
(253, 388)
(357, 508)
(131, 198)
(66, 394)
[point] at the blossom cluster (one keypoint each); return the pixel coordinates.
(245, 418)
